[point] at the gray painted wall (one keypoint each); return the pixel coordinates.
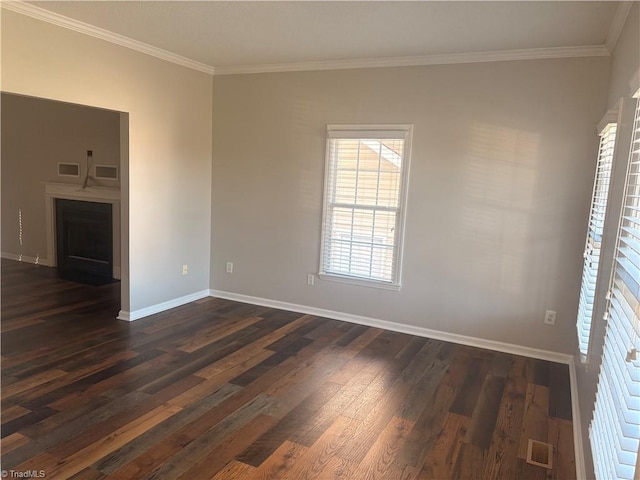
(625, 59)
(167, 175)
(501, 176)
(37, 134)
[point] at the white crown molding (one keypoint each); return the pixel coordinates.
(444, 59)
(93, 31)
(617, 24)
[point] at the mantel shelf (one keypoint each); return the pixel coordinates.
(74, 191)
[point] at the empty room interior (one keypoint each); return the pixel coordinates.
(320, 240)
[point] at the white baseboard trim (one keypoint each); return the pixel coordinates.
(26, 259)
(447, 337)
(399, 327)
(581, 468)
(161, 307)
(396, 327)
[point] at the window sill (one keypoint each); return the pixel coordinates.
(359, 281)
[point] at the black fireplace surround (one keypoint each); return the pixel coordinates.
(84, 241)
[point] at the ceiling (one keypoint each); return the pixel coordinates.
(235, 34)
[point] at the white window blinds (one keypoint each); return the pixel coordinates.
(365, 185)
(594, 236)
(615, 428)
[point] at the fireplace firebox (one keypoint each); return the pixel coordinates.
(84, 241)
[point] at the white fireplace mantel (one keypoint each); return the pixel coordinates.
(70, 191)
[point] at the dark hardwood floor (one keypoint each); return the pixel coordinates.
(223, 390)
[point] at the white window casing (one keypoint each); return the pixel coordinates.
(615, 428)
(365, 196)
(595, 232)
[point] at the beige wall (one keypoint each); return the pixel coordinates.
(624, 79)
(38, 134)
(166, 180)
(625, 59)
(501, 175)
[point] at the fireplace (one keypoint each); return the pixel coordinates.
(55, 192)
(84, 240)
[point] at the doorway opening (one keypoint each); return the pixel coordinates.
(39, 226)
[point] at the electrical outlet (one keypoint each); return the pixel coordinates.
(185, 269)
(229, 267)
(550, 317)
(311, 278)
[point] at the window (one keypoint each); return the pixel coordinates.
(615, 428)
(594, 236)
(365, 194)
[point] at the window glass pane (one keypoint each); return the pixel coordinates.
(362, 206)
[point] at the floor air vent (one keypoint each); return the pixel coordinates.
(540, 454)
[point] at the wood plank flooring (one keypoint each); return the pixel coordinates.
(223, 390)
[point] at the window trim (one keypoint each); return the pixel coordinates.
(338, 131)
(593, 250)
(611, 404)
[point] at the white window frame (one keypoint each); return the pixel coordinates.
(614, 431)
(373, 132)
(594, 237)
